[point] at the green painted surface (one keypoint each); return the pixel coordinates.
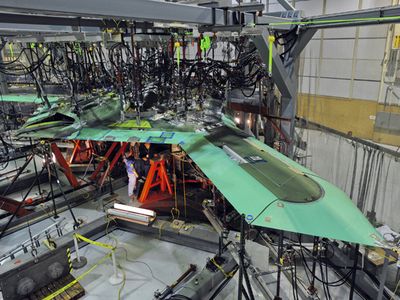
(132, 124)
(27, 98)
(283, 180)
(65, 122)
(242, 190)
(258, 189)
(333, 216)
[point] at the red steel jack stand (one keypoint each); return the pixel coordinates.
(82, 152)
(157, 176)
(64, 166)
(11, 206)
(106, 158)
(119, 154)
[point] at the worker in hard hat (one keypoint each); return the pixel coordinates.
(133, 175)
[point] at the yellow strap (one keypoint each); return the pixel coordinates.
(80, 277)
(178, 53)
(85, 239)
(271, 40)
(11, 50)
(230, 274)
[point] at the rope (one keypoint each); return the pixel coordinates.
(184, 188)
(176, 198)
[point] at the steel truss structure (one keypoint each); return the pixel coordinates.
(75, 17)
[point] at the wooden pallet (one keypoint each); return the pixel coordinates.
(74, 292)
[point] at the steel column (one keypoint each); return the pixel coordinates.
(286, 5)
(285, 78)
(279, 73)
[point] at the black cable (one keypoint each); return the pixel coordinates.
(76, 223)
(327, 280)
(338, 282)
(244, 292)
(248, 284)
(22, 202)
(293, 285)
(295, 278)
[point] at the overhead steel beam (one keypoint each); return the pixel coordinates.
(138, 10)
(146, 10)
(44, 37)
(12, 29)
(286, 5)
(29, 23)
(355, 18)
(62, 21)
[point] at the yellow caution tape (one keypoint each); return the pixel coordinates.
(80, 277)
(99, 244)
(69, 259)
(89, 241)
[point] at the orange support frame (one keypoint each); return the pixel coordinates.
(64, 166)
(113, 163)
(79, 148)
(101, 164)
(157, 176)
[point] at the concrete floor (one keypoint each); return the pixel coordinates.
(167, 261)
(87, 212)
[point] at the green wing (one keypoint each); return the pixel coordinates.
(269, 188)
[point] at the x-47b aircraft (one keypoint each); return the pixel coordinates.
(271, 190)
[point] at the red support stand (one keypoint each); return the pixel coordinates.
(103, 161)
(64, 166)
(120, 152)
(157, 176)
(11, 206)
(76, 149)
(82, 152)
